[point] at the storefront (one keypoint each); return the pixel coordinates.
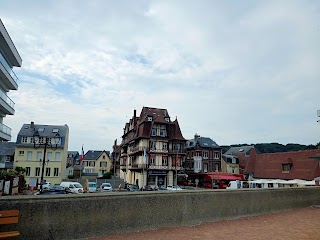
(157, 177)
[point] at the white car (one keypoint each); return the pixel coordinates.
(45, 186)
(106, 187)
(174, 187)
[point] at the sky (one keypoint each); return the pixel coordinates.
(235, 71)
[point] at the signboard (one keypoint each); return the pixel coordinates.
(157, 172)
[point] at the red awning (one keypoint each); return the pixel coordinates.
(225, 177)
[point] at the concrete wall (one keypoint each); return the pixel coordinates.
(88, 215)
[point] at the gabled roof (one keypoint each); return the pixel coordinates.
(73, 154)
(304, 165)
(7, 148)
(94, 155)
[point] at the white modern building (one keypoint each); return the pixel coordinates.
(9, 58)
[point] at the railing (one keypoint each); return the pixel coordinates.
(133, 150)
(175, 151)
(6, 99)
(8, 69)
(138, 166)
(5, 129)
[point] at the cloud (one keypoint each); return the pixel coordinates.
(234, 72)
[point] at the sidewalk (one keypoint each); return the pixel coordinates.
(299, 224)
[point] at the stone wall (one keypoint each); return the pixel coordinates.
(88, 215)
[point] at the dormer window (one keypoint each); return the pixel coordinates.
(41, 129)
(149, 118)
(286, 168)
(167, 119)
(55, 130)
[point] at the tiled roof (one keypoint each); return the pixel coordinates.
(94, 155)
(304, 165)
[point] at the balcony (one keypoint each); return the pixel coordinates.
(177, 151)
(5, 130)
(133, 150)
(162, 167)
(7, 73)
(6, 104)
(138, 166)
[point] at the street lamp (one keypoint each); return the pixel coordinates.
(45, 142)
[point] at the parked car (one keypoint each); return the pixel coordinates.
(92, 187)
(174, 187)
(160, 188)
(106, 187)
(146, 188)
(45, 186)
(56, 189)
(74, 187)
(132, 188)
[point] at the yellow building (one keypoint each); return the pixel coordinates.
(96, 163)
(230, 164)
(48, 157)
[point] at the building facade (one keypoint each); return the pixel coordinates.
(203, 155)
(152, 149)
(7, 150)
(31, 158)
(230, 164)
(9, 58)
(95, 164)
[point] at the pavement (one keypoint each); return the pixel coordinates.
(298, 224)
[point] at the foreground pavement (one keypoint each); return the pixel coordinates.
(300, 224)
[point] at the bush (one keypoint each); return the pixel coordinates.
(107, 175)
(70, 176)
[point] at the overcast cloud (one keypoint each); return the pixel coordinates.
(234, 71)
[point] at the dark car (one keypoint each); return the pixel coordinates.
(56, 189)
(132, 188)
(146, 188)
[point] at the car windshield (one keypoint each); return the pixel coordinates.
(106, 185)
(77, 185)
(92, 185)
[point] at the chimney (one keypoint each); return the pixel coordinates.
(32, 125)
(196, 136)
(134, 117)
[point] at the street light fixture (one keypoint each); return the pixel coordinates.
(45, 142)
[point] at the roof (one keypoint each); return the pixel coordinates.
(242, 149)
(28, 130)
(142, 127)
(7, 148)
(269, 165)
(94, 155)
(230, 158)
(203, 142)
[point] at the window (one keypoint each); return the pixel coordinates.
(167, 119)
(39, 156)
(154, 132)
(150, 119)
(21, 152)
(48, 172)
(55, 130)
(88, 170)
(103, 157)
(29, 156)
(57, 156)
(176, 146)
(24, 140)
(164, 146)
(103, 164)
(198, 154)
(8, 158)
(92, 164)
(216, 155)
(163, 132)
(286, 168)
(49, 156)
(205, 154)
(41, 129)
(56, 172)
(164, 161)
(234, 160)
(37, 171)
(27, 171)
(152, 160)
(216, 167)
(153, 145)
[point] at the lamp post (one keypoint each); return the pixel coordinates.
(45, 142)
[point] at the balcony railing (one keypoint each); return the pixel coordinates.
(4, 63)
(5, 129)
(6, 99)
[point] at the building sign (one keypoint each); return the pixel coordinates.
(157, 172)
